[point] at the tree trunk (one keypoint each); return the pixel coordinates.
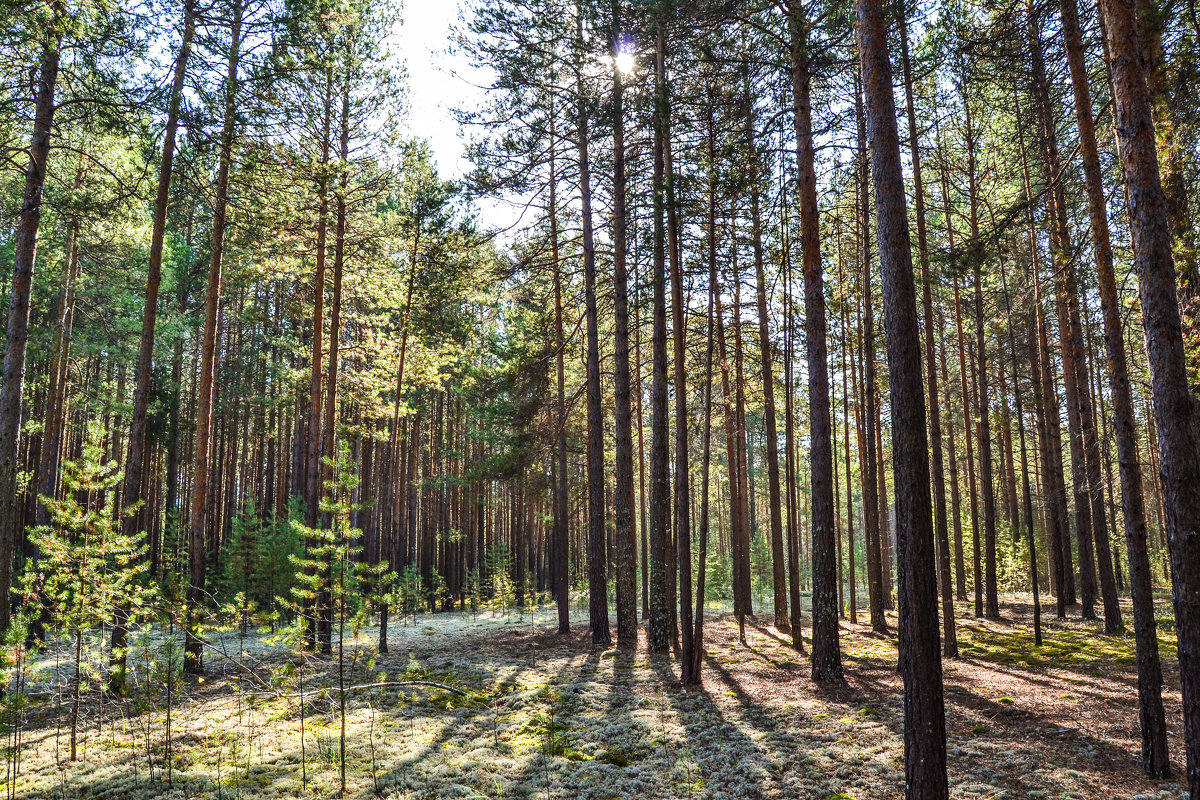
(920, 657)
(683, 527)
(868, 455)
(24, 256)
(597, 551)
(1155, 758)
(949, 635)
(330, 409)
(826, 649)
(1102, 248)
(624, 533)
(659, 631)
(1080, 425)
(312, 467)
(991, 606)
(766, 363)
(562, 536)
(1177, 446)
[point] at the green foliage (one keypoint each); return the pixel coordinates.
(377, 583)
(410, 590)
(255, 563)
(498, 563)
(326, 572)
(87, 568)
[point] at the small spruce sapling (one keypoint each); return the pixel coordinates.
(330, 571)
(88, 567)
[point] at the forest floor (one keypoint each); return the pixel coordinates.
(548, 716)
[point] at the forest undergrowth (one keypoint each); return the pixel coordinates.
(504, 707)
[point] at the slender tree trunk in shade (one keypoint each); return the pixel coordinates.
(659, 629)
(789, 438)
(1011, 506)
(960, 583)
(1065, 578)
(1102, 249)
(886, 554)
(991, 606)
(920, 645)
(868, 456)
(972, 494)
(731, 461)
(1173, 408)
(964, 401)
(851, 390)
(1058, 534)
(12, 386)
(826, 649)
(1067, 312)
(706, 434)
(767, 371)
(941, 529)
(312, 459)
(682, 518)
(641, 444)
(597, 551)
(1030, 538)
(683, 529)
(562, 537)
(741, 448)
(1027, 495)
(624, 533)
(132, 493)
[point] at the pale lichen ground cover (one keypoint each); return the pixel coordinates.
(546, 716)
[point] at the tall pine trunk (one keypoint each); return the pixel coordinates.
(1178, 457)
(12, 385)
(596, 544)
(624, 533)
(941, 528)
(659, 630)
(826, 649)
(920, 645)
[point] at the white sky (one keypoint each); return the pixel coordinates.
(438, 81)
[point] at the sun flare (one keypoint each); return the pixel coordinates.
(626, 62)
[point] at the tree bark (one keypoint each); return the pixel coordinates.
(659, 630)
(12, 386)
(826, 649)
(991, 603)
(1102, 249)
(767, 369)
(920, 657)
(624, 534)
(597, 552)
(562, 536)
(1177, 446)
(941, 529)
(868, 455)
(1080, 425)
